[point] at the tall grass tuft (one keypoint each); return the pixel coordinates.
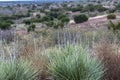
(16, 70)
(74, 63)
(7, 35)
(109, 53)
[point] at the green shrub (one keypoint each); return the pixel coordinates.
(27, 22)
(4, 25)
(16, 70)
(9, 21)
(31, 28)
(50, 23)
(111, 16)
(61, 16)
(80, 18)
(47, 18)
(73, 63)
(33, 20)
(65, 20)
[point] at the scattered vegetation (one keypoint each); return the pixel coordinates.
(58, 51)
(60, 54)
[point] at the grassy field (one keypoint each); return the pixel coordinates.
(61, 54)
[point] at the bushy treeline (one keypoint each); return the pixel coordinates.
(7, 21)
(17, 16)
(54, 18)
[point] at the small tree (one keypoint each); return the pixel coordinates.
(80, 18)
(111, 16)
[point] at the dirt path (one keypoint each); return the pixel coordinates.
(97, 17)
(97, 21)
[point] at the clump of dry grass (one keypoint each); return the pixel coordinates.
(35, 53)
(110, 55)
